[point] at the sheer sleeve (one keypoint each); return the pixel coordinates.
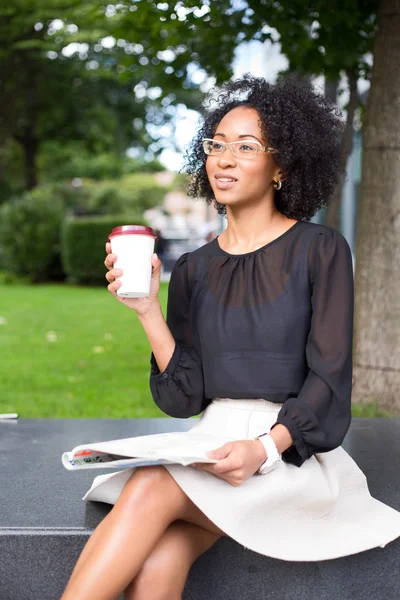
(179, 390)
(319, 417)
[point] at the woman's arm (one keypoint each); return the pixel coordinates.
(319, 417)
(282, 438)
(159, 335)
(176, 378)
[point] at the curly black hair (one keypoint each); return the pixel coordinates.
(304, 128)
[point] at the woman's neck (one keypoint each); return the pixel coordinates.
(250, 229)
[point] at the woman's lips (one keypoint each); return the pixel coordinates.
(224, 183)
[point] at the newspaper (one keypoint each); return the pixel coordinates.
(182, 448)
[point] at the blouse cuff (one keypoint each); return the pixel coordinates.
(298, 452)
(179, 390)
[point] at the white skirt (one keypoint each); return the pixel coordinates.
(319, 511)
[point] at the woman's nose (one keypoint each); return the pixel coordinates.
(227, 159)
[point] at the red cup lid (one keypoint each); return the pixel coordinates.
(132, 230)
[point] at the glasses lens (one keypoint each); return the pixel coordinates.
(212, 147)
(248, 149)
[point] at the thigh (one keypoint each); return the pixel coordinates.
(153, 490)
(164, 573)
(193, 515)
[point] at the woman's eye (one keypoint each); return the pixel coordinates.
(216, 146)
(246, 148)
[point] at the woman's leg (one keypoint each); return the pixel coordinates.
(116, 551)
(164, 573)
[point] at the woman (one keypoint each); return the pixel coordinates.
(259, 337)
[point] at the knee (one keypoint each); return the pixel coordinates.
(151, 486)
(144, 478)
(149, 476)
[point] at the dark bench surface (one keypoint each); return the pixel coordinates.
(44, 523)
(36, 490)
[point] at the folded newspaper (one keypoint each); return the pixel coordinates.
(182, 448)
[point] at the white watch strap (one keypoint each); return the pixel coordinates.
(273, 455)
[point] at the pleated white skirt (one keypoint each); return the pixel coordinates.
(319, 511)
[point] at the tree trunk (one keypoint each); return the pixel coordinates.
(377, 315)
(30, 146)
(333, 209)
(28, 138)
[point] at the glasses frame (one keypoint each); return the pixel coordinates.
(231, 146)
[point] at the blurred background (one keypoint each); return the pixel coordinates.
(98, 102)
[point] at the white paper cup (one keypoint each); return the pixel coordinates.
(134, 247)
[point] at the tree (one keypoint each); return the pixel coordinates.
(377, 317)
(87, 95)
(47, 96)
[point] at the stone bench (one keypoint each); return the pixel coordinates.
(44, 524)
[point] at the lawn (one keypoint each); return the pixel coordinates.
(72, 352)
(76, 352)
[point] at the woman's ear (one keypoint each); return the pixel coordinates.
(281, 176)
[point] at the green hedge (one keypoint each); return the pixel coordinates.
(30, 236)
(83, 246)
(30, 225)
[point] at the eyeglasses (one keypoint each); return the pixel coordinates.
(243, 149)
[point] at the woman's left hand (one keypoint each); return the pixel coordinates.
(237, 461)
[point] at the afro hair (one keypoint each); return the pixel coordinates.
(302, 126)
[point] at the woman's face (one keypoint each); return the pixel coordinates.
(250, 179)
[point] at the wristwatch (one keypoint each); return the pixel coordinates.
(273, 456)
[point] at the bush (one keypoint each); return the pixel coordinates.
(30, 235)
(30, 225)
(7, 278)
(107, 199)
(74, 199)
(143, 191)
(83, 246)
(131, 194)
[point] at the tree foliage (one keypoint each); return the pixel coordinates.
(96, 74)
(67, 74)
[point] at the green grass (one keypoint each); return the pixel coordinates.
(96, 366)
(76, 352)
(369, 410)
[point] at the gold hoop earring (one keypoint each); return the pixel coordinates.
(278, 184)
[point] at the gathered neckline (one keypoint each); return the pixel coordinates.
(284, 234)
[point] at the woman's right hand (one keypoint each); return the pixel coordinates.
(140, 305)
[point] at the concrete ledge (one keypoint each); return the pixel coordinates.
(44, 524)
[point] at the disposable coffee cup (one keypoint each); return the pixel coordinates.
(134, 247)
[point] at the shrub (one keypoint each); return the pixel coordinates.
(143, 190)
(133, 193)
(83, 245)
(74, 199)
(107, 199)
(30, 235)
(7, 278)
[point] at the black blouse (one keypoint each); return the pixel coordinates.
(276, 323)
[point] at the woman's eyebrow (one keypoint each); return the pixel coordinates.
(244, 135)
